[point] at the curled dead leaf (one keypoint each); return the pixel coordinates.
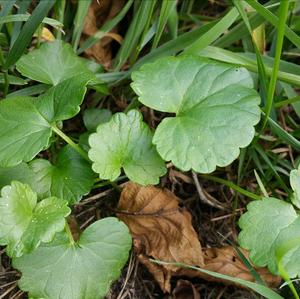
(226, 261)
(160, 229)
(100, 12)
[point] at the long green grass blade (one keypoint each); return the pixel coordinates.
(260, 289)
(210, 36)
(270, 17)
(108, 26)
(283, 13)
(6, 8)
(81, 13)
(136, 28)
(24, 38)
(59, 9)
(166, 8)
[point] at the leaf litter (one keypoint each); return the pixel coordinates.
(163, 230)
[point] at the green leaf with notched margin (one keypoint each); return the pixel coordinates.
(52, 63)
(24, 222)
(261, 225)
(126, 141)
(215, 104)
(26, 123)
(84, 270)
(70, 177)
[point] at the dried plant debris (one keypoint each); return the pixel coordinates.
(163, 230)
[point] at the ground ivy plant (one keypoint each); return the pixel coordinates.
(270, 230)
(210, 113)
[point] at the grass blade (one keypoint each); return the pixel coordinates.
(81, 13)
(260, 289)
(24, 38)
(108, 26)
(137, 26)
(283, 13)
(270, 17)
(211, 35)
(166, 8)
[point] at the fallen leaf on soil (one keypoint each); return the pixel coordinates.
(226, 261)
(162, 230)
(185, 290)
(100, 12)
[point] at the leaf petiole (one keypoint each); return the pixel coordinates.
(75, 146)
(69, 233)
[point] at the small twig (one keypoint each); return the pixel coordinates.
(209, 201)
(8, 291)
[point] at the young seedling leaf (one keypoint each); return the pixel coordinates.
(126, 141)
(212, 101)
(52, 63)
(70, 177)
(93, 117)
(261, 225)
(24, 222)
(26, 123)
(82, 270)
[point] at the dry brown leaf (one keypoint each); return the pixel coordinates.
(100, 12)
(185, 290)
(160, 229)
(226, 261)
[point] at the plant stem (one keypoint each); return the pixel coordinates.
(69, 233)
(5, 74)
(232, 186)
(283, 12)
(67, 139)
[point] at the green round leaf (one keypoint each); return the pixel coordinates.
(70, 178)
(215, 104)
(295, 184)
(52, 63)
(84, 270)
(24, 222)
(24, 132)
(93, 117)
(261, 225)
(126, 141)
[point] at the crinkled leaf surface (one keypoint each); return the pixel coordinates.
(126, 141)
(70, 177)
(26, 123)
(261, 225)
(93, 117)
(215, 104)
(24, 222)
(52, 63)
(81, 271)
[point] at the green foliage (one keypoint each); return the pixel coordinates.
(125, 141)
(212, 102)
(81, 270)
(61, 63)
(70, 177)
(24, 222)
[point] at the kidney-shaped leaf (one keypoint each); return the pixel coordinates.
(24, 222)
(83, 270)
(70, 177)
(215, 104)
(261, 225)
(126, 141)
(295, 184)
(26, 123)
(52, 63)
